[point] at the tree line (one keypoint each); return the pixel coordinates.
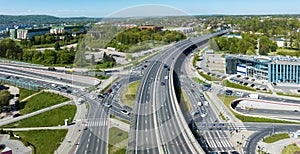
(9, 49)
(64, 38)
(130, 37)
(246, 45)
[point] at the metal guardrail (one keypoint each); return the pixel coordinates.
(20, 84)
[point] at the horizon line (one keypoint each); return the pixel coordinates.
(212, 14)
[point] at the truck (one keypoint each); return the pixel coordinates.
(253, 96)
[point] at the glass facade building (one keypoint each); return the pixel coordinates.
(271, 69)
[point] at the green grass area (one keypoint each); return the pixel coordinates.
(210, 78)
(114, 117)
(117, 141)
(106, 65)
(286, 52)
(129, 92)
(185, 101)
(40, 101)
(199, 81)
(291, 149)
(25, 93)
(290, 95)
(102, 77)
(276, 137)
(222, 116)
(43, 141)
(237, 86)
(53, 117)
(227, 101)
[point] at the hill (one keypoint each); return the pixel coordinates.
(42, 19)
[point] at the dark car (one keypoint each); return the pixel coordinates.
(100, 96)
(69, 91)
(228, 92)
(16, 115)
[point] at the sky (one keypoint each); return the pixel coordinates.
(107, 8)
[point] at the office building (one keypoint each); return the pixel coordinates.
(67, 29)
(13, 33)
(275, 69)
(29, 33)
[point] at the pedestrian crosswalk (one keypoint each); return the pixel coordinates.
(218, 141)
(237, 126)
(96, 123)
(222, 126)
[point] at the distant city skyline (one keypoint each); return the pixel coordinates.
(100, 8)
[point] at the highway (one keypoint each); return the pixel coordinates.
(94, 137)
(213, 140)
(51, 76)
(155, 109)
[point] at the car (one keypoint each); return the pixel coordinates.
(252, 79)
(203, 115)
(200, 103)
(100, 96)
(205, 103)
(195, 113)
(275, 84)
(234, 152)
(125, 112)
(228, 92)
(162, 83)
(69, 91)
(16, 115)
(298, 91)
(295, 110)
(107, 105)
(239, 94)
(166, 77)
(238, 76)
(165, 66)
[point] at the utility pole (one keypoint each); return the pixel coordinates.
(257, 51)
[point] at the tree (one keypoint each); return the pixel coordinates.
(56, 45)
(29, 45)
(49, 57)
(250, 52)
(213, 44)
(75, 30)
(4, 97)
(64, 57)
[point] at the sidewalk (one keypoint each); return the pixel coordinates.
(69, 144)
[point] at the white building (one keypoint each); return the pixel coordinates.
(181, 29)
